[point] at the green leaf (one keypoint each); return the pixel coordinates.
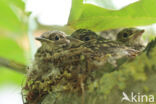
(102, 3)
(97, 18)
(17, 3)
(11, 50)
(76, 10)
(9, 76)
(12, 16)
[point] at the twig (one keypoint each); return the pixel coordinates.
(12, 65)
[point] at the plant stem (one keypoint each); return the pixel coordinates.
(12, 65)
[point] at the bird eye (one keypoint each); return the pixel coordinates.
(87, 38)
(56, 38)
(125, 35)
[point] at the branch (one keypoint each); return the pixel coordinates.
(13, 65)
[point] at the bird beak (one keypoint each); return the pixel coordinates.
(141, 31)
(138, 33)
(41, 39)
(74, 40)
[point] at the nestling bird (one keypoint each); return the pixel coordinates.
(64, 63)
(131, 37)
(59, 57)
(103, 46)
(85, 35)
(75, 63)
(51, 42)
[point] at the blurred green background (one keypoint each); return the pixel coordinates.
(13, 26)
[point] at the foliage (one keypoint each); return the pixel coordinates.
(103, 3)
(13, 18)
(11, 50)
(12, 24)
(97, 18)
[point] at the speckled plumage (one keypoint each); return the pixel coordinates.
(103, 46)
(64, 63)
(59, 61)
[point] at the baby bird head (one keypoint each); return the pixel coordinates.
(130, 36)
(53, 39)
(84, 35)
